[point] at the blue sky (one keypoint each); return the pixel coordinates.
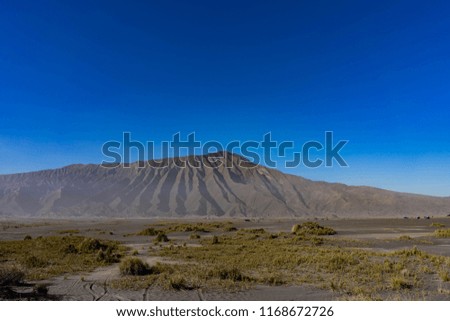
(76, 74)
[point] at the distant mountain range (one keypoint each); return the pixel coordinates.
(224, 191)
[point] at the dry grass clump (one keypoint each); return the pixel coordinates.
(11, 275)
(444, 275)
(312, 228)
(161, 237)
(188, 227)
(437, 225)
(134, 266)
(215, 240)
(150, 231)
(73, 231)
(194, 236)
(442, 233)
(400, 283)
(44, 257)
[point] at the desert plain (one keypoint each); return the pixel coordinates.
(230, 259)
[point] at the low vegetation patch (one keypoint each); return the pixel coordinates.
(437, 225)
(442, 233)
(43, 257)
(69, 232)
(312, 228)
(150, 231)
(194, 236)
(161, 237)
(11, 275)
(134, 266)
(167, 228)
(250, 257)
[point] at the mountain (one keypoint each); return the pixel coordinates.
(240, 190)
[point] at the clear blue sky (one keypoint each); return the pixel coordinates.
(74, 74)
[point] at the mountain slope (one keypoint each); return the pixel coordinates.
(95, 191)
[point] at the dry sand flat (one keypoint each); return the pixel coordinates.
(380, 235)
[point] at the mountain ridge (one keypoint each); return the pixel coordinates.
(241, 190)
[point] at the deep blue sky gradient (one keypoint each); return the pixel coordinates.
(75, 74)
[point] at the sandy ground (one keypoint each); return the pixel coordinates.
(383, 235)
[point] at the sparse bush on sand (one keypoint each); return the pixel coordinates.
(149, 232)
(194, 236)
(133, 266)
(161, 237)
(442, 233)
(312, 228)
(11, 275)
(44, 257)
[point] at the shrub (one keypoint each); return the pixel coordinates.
(149, 232)
(34, 262)
(296, 228)
(194, 236)
(444, 275)
(161, 237)
(442, 233)
(400, 283)
(70, 249)
(178, 282)
(40, 289)
(134, 266)
(90, 245)
(225, 273)
(437, 225)
(107, 256)
(69, 232)
(27, 238)
(11, 275)
(215, 239)
(312, 228)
